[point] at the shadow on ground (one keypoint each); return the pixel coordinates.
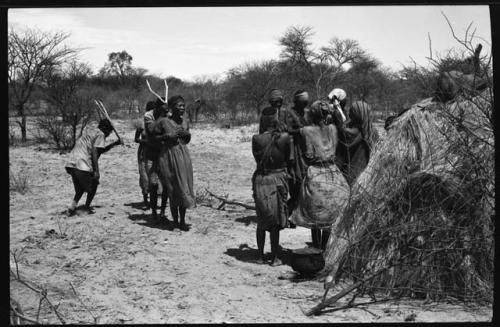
(247, 254)
(161, 223)
(247, 220)
(137, 205)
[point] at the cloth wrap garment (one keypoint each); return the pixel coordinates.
(175, 169)
(270, 180)
(324, 192)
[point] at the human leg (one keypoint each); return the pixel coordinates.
(261, 240)
(153, 199)
(78, 193)
(175, 214)
(91, 194)
(164, 199)
(325, 234)
(275, 246)
(182, 213)
(316, 237)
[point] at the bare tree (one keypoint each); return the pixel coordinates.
(312, 67)
(31, 54)
(69, 100)
(119, 64)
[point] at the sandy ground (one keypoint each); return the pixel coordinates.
(126, 269)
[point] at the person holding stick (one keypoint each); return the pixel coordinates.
(83, 164)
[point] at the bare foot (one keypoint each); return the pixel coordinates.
(261, 260)
(276, 262)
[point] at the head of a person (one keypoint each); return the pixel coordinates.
(177, 105)
(269, 119)
(318, 111)
(105, 126)
(160, 108)
(275, 98)
(300, 99)
(340, 95)
(150, 105)
(359, 113)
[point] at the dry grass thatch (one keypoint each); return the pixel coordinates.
(424, 206)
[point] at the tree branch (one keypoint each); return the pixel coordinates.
(226, 201)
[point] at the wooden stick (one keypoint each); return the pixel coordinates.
(226, 201)
(105, 112)
(340, 295)
(99, 112)
(23, 317)
(166, 91)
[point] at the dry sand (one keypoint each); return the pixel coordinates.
(126, 269)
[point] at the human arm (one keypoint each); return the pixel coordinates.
(95, 166)
(255, 149)
(138, 138)
(108, 147)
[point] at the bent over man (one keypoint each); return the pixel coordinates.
(83, 162)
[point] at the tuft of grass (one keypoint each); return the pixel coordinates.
(19, 182)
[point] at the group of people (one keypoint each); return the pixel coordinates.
(164, 161)
(307, 159)
(307, 156)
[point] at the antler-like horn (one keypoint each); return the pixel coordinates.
(156, 94)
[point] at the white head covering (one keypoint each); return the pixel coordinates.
(338, 93)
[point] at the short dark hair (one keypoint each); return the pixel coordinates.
(150, 105)
(105, 125)
(159, 103)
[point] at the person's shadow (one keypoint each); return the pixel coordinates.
(247, 220)
(148, 221)
(137, 205)
(247, 254)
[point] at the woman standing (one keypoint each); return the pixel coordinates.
(324, 191)
(174, 163)
(272, 151)
(356, 141)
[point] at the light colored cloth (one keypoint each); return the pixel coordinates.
(304, 96)
(174, 165)
(80, 156)
(270, 196)
(338, 93)
(323, 197)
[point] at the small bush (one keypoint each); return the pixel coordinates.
(19, 182)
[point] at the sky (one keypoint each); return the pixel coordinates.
(208, 41)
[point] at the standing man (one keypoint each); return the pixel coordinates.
(151, 153)
(83, 162)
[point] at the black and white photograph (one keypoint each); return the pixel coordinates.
(251, 164)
